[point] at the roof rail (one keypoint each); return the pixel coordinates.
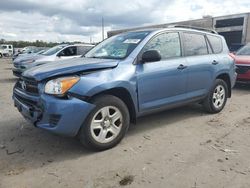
(193, 27)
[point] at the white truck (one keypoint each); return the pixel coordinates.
(6, 50)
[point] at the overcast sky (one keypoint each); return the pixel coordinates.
(70, 20)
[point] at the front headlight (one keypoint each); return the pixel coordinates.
(60, 86)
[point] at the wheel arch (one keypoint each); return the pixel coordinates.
(124, 95)
(225, 77)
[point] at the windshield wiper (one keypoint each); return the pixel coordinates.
(103, 57)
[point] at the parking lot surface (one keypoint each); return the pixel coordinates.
(184, 147)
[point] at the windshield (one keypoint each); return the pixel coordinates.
(28, 50)
(53, 50)
(117, 47)
(244, 50)
(3, 47)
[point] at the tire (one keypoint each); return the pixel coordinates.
(110, 117)
(217, 97)
(1, 55)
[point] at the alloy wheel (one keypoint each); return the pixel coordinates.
(219, 96)
(106, 124)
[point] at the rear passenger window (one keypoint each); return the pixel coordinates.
(168, 44)
(195, 44)
(82, 50)
(215, 43)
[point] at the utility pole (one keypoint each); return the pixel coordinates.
(102, 28)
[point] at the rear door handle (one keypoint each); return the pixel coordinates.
(215, 62)
(181, 67)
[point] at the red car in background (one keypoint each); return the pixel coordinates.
(242, 59)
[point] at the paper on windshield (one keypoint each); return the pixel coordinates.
(132, 41)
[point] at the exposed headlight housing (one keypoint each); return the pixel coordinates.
(60, 86)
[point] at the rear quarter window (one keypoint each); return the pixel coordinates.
(195, 44)
(215, 43)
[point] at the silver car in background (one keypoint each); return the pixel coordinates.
(28, 51)
(59, 52)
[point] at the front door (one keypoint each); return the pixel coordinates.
(163, 82)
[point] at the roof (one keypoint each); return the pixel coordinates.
(174, 28)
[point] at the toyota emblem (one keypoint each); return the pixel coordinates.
(23, 85)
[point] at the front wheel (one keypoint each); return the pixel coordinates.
(106, 125)
(217, 97)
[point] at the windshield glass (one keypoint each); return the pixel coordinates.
(117, 47)
(53, 50)
(244, 50)
(3, 47)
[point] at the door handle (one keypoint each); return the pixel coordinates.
(215, 62)
(181, 67)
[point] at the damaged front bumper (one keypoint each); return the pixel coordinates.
(57, 115)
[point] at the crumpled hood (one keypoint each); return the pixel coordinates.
(70, 66)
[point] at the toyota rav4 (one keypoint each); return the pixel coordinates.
(97, 96)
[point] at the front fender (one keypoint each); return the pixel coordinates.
(94, 83)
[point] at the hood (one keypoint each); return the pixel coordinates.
(27, 57)
(70, 66)
(242, 59)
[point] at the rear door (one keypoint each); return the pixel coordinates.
(201, 64)
(217, 47)
(163, 82)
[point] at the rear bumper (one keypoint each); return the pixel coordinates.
(244, 78)
(60, 116)
(243, 81)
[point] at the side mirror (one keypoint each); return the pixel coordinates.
(151, 56)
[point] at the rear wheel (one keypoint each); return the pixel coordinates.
(217, 97)
(106, 125)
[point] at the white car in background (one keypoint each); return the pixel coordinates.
(60, 52)
(6, 50)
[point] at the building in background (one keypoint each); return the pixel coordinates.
(235, 28)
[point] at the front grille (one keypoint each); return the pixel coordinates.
(242, 69)
(54, 119)
(16, 65)
(28, 85)
(27, 102)
(17, 73)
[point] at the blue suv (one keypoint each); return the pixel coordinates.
(97, 96)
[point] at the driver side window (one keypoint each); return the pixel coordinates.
(168, 45)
